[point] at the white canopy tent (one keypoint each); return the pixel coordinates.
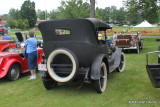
(144, 24)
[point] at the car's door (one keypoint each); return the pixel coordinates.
(153, 71)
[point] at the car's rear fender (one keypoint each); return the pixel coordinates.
(5, 67)
(96, 66)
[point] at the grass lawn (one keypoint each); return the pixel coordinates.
(131, 85)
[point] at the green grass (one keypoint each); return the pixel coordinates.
(131, 85)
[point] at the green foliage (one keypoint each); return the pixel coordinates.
(20, 23)
(24, 18)
(73, 9)
(42, 14)
(28, 12)
(23, 24)
(121, 16)
(53, 14)
(146, 9)
(12, 23)
(111, 15)
(4, 16)
(14, 14)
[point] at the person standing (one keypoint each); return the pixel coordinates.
(115, 35)
(31, 50)
(114, 38)
(6, 37)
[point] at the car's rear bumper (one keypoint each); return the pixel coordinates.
(80, 72)
(128, 48)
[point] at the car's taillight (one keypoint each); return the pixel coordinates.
(43, 60)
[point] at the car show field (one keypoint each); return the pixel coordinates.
(130, 88)
(80, 53)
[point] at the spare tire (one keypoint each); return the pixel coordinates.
(56, 60)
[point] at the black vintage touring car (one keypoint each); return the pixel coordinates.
(73, 50)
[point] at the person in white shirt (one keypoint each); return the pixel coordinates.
(114, 38)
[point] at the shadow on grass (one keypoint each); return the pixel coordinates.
(4, 80)
(80, 87)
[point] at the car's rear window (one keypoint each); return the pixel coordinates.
(62, 32)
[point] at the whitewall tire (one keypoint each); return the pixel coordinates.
(73, 59)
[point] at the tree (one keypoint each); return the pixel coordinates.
(107, 15)
(12, 23)
(5, 16)
(121, 16)
(22, 24)
(92, 10)
(147, 9)
(28, 12)
(41, 15)
(112, 15)
(53, 14)
(99, 13)
(73, 9)
(14, 13)
(14, 19)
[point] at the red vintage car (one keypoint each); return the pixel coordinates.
(13, 63)
(6, 44)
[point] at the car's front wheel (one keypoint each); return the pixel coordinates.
(122, 63)
(101, 83)
(13, 72)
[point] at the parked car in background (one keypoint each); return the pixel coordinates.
(130, 41)
(75, 50)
